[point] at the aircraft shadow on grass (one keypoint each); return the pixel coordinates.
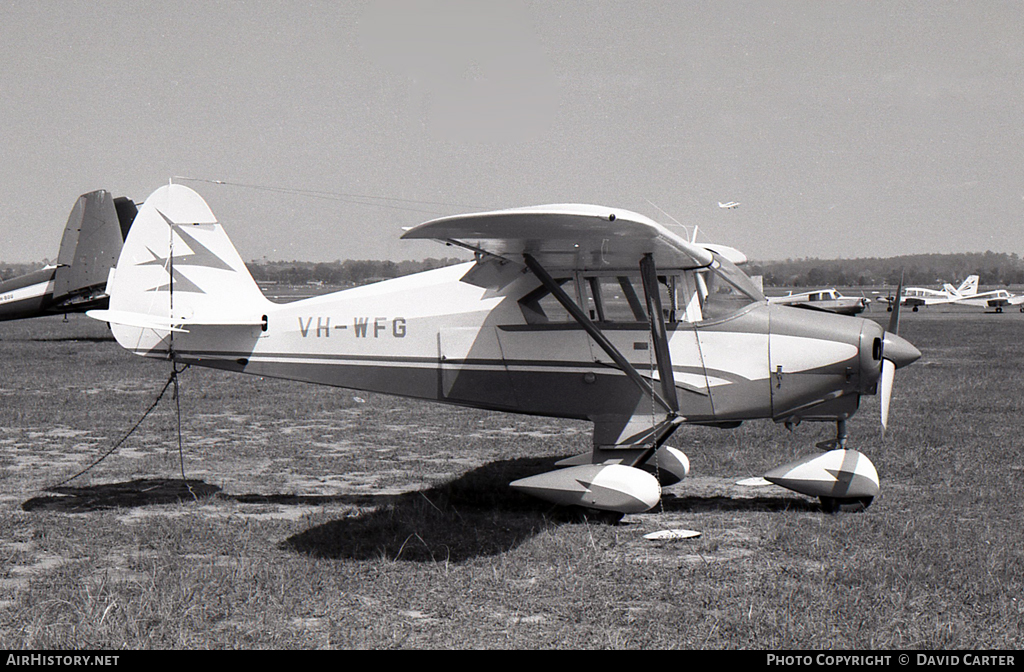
(74, 339)
(60, 339)
(718, 503)
(131, 494)
(474, 515)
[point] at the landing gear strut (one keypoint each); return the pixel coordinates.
(835, 504)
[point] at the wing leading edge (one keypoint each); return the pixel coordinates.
(567, 236)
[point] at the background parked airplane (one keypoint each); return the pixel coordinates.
(824, 299)
(915, 297)
(996, 298)
(95, 232)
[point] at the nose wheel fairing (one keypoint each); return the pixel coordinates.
(838, 477)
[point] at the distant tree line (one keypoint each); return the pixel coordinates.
(8, 271)
(917, 269)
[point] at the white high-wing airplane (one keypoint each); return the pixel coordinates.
(729, 205)
(915, 297)
(571, 311)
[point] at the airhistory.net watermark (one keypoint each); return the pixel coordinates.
(55, 660)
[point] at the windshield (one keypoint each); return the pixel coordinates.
(725, 289)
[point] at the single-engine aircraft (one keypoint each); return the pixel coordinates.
(728, 206)
(915, 297)
(92, 241)
(995, 298)
(570, 311)
(824, 299)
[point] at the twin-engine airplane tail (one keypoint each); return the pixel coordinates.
(92, 240)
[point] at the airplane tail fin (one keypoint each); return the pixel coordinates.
(91, 243)
(177, 272)
(968, 287)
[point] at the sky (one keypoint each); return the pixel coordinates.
(317, 130)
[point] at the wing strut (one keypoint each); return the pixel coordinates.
(659, 334)
(595, 333)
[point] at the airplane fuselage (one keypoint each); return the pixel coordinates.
(430, 336)
(31, 295)
(28, 295)
(569, 310)
(828, 300)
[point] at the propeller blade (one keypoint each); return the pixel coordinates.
(888, 376)
(894, 319)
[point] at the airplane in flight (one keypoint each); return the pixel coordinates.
(89, 248)
(569, 311)
(824, 299)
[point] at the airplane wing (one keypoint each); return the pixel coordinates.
(570, 236)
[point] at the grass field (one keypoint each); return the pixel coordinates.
(319, 517)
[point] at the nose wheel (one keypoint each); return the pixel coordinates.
(842, 479)
(835, 505)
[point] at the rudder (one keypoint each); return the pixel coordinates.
(178, 269)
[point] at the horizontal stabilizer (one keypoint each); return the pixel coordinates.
(141, 320)
(163, 323)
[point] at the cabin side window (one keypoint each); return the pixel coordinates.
(541, 307)
(617, 298)
(614, 298)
